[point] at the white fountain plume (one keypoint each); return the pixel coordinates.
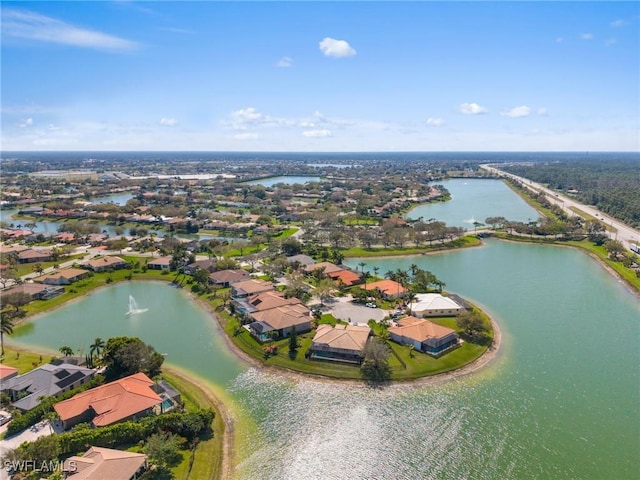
(133, 307)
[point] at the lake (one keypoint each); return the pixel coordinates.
(475, 200)
(286, 179)
(559, 401)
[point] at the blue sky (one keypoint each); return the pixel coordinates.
(321, 76)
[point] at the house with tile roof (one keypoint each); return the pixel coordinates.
(105, 263)
(225, 278)
(342, 343)
(423, 335)
(7, 372)
(246, 288)
(124, 399)
(63, 277)
(263, 301)
(279, 322)
(99, 463)
(47, 380)
(388, 288)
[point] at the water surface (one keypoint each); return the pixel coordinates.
(475, 200)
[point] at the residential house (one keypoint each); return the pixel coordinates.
(99, 463)
(344, 277)
(63, 277)
(326, 267)
(279, 322)
(250, 287)
(65, 237)
(342, 343)
(31, 256)
(301, 259)
(7, 372)
(423, 335)
(262, 301)
(434, 305)
(48, 380)
(388, 288)
(124, 399)
(36, 291)
(225, 278)
(209, 265)
(160, 263)
(103, 264)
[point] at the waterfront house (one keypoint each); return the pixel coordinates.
(49, 380)
(36, 291)
(388, 288)
(262, 301)
(160, 263)
(280, 321)
(124, 399)
(433, 305)
(423, 335)
(344, 277)
(225, 278)
(63, 277)
(99, 463)
(103, 264)
(342, 343)
(7, 372)
(209, 265)
(250, 287)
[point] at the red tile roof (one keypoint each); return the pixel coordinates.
(113, 401)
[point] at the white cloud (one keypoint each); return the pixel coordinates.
(517, 112)
(435, 122)
(471, 108)
(609, 41)
(317, 133)
(542, 111)
(246, 136)
(168, 122)
(586, 36)
(33, 26)
(331, 47)
(559, 39)
(617, 23)
(27, 122)
(284, 62)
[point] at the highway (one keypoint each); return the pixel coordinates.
(623, 232)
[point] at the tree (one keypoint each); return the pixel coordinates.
(293, 343)
(38, 268)
(66, 350)
(125, 356)
(615, 248)
(375, 367)
(472, 324)
(7, 275)
(163, 449)
(96, 347)
(6, 327)
(17, 300)
(324, 289)
(201, 276)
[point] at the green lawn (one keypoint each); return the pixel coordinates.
(404, 366)
(23, 360)
(587, 216)
(207, 456)
(467, 241)
(26, 268)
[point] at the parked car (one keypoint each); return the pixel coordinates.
(5, 419)
(371, 305)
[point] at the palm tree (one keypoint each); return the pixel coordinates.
(362, 265)
(6, 327)
(66, 351)
(96, 347)
(375, 271)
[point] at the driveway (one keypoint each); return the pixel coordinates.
(342, 308)
(41, 429)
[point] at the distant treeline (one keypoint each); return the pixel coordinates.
(613, 185)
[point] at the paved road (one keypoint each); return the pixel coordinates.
(624, 233)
